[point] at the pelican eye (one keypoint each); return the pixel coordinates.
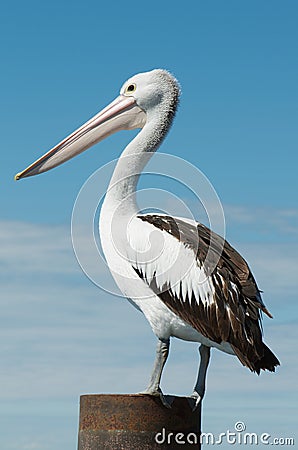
(130, 88)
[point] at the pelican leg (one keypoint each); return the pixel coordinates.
(200, 386)
(162, 352)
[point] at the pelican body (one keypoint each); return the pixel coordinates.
(167, 277)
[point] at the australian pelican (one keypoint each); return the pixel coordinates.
(173, 286)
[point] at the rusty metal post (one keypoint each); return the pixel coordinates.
(137, 422)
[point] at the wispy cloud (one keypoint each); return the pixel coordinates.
(36, 249)
(266, 222)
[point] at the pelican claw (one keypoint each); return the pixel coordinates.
(194, 401)
(166, 400)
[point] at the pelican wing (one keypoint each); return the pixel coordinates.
(208, 284)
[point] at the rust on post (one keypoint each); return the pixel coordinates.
(137, 422)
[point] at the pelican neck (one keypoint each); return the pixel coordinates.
(136, 155)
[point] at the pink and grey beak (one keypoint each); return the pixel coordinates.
(122, 114)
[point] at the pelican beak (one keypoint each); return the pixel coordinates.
(122, 114)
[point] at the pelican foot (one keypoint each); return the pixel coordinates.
(194, 400)
(166, 400)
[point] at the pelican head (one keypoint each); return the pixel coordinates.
(140, 97)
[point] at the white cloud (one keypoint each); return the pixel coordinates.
(269, 221)
(35, 248)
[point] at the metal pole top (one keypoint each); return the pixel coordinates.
(137, 422)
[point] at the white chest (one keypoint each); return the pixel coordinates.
(127, 241)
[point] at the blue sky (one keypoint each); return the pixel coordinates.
(237, 121)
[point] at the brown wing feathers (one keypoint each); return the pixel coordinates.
(233, 315)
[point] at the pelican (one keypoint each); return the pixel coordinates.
(158, 261)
